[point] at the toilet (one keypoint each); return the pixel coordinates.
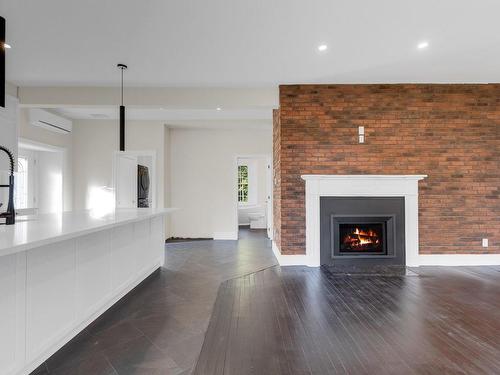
(257, 220)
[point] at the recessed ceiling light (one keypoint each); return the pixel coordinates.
(7, 46)
(219, 108)
(423, 45)
(322, 47)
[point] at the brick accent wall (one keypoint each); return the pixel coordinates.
(276, 178)
(449, 132)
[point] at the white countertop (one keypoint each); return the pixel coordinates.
(43, 229)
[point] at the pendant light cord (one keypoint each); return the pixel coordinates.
(122, 85)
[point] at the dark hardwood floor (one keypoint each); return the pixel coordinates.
(309, 321)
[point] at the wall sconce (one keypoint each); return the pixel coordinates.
(361, 134)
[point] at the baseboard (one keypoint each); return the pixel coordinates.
(225, 236)
(449, 260)
(459, 260)
(289, 260)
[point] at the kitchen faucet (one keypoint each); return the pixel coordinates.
(10, 214)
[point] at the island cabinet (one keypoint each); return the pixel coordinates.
(53, 285)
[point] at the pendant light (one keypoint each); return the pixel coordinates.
(3, 45)
(122, 67)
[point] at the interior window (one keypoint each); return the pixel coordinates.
(243, 184)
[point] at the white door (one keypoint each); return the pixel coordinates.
(269, 200)
(126, 181)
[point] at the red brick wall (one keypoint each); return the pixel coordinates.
(449, 132)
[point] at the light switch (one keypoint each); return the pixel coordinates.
(361, 134)
(485, 242)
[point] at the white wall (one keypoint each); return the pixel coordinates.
(62, 141)
(166, 179)
(94, 145)
(50, 181)
(203, 178)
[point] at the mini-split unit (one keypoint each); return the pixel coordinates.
(50, 121)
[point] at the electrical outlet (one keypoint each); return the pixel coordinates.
(485, 242)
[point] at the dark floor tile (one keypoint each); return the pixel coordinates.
(184, 350)
(141, 357)
(83, 346)
(41, 370)
(118, 334)
(97, 365)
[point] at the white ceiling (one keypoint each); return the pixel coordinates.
(242, 43)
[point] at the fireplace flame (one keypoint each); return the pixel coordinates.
(361, 238)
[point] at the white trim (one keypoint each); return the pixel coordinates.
(459, 259)
(225, 235)
(417, 177)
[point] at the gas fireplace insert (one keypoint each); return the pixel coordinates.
(359, 236)
(365, 238)
(358, 231)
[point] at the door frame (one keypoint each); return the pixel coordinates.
(33, 147)
(152, 177)
(269, 188)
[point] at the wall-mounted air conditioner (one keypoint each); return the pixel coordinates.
(50, 121)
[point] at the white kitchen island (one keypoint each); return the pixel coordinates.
(59, 272)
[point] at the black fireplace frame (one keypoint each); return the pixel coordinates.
(389, 230)
(390, 208)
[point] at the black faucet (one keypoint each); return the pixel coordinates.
(10, 214)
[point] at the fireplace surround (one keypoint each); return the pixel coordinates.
(402, 187)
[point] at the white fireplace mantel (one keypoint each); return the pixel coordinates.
(361, 186)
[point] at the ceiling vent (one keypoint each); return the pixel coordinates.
(50, 121)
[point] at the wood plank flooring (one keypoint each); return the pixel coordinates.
(309, 321)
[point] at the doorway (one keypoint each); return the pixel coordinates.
(254, 193)
(39, 180)
(135, 179)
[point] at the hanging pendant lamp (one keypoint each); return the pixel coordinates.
(3, 45)
(122, 67)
